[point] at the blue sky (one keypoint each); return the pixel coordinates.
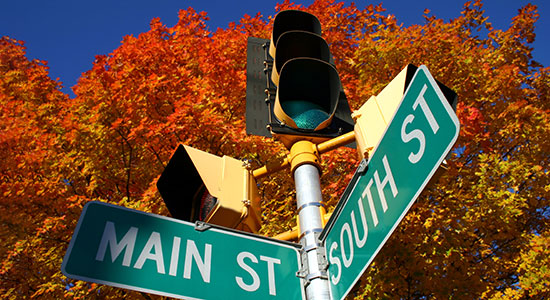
(69, 33)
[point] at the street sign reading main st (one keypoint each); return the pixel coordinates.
(419, 137)
(131, 249)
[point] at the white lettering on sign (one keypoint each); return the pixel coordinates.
(271, 272)
(381, 184)
(351, 238)
(417, 133)
(426, 109)
(347, 260)
(368, 194)
(255, 278)
(360, 242)
(203, 265)
(153, 242)
(255, 285)
(109, 238)
(153, 251)
(175, 256)
(195, 257)
(335, 260)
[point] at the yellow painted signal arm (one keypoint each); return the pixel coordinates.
(285, 162)
(294, 233)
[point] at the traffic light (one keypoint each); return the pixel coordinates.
(374, 116)
(198, 186)
(305, 99)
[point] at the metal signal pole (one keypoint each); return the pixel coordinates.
(308, 197)
(304, 160)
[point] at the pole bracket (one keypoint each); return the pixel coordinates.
(202, 226)
(363, 166)
(304, 152)
(322, 262)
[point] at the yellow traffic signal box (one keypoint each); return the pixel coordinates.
(199, 186)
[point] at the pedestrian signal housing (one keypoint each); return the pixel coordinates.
(198, 186)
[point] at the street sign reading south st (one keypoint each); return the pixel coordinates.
(131, 249)
(422, 132)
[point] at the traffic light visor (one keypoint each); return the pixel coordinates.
(291, 20)
(181, 175)
(295, 44)
(199, 186)
(308, 94)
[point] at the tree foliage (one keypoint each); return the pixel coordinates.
(480, 231)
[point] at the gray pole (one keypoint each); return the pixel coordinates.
(308, 197)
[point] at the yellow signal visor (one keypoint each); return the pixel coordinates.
(295, 44)
(308, 94)
(290, 20)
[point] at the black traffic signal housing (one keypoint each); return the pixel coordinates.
(199, 186)
(293, 89)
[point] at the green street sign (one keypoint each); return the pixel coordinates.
(131, 249)
(422, 132)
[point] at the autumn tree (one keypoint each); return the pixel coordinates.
(33, 203)
(480, 231)
(465, 236)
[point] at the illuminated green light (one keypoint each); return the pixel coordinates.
(306, 115)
